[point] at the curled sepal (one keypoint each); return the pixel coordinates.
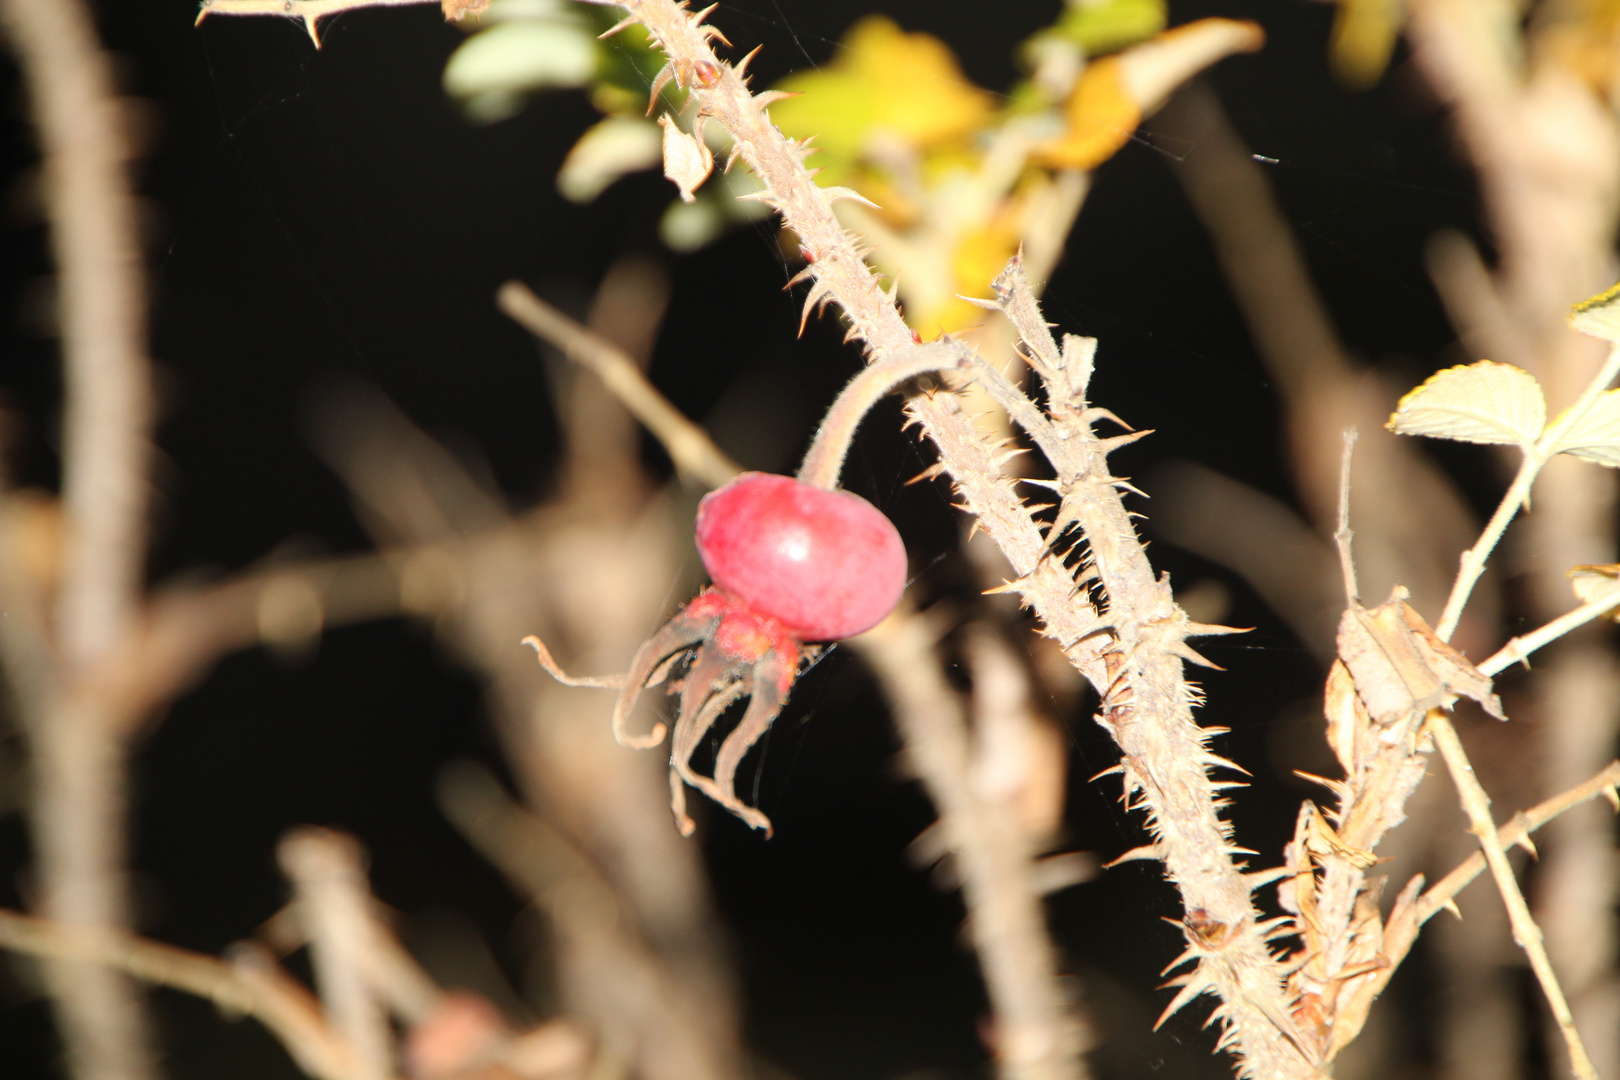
(773, 678)
(681, 632)
(1482, 402)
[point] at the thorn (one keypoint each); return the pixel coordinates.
(803, 275)
(1193, 656)
(1103, 414)
(741, 66)
(1109, 445)
(1215, 761)
(766, 98)
(1121, 484)
(988, 305)
(1261, 878)
(1117, 769)
(1198, 629)
(711, 33)
(818, 296)
(1451, 906)
(1188, 955)
(835, 193)
(1137, 854)
(1613, 796)
(929, 473)
(661, 80)
(314, 35)
(1004, 587)
(1529, 845)
(1332, 785)
(623, 24)
(1194, 987)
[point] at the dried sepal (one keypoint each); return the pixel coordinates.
(687, 158)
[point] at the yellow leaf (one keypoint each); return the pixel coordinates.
(1116, 92)
(886, 86)
(1101, 116)
(1364, 34)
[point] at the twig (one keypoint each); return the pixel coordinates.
(687, 444)
(1517, 830)
(1342, 536)
(1525, 931)
(79, 799)
(334, 901)
(251, 986)
(1518, 649)
(644, 1007)
(308, 10)
(1036, 1034)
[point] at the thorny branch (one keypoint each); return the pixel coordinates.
(1134, 655)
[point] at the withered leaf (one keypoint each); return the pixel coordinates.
(687, 158)
(1400, 667)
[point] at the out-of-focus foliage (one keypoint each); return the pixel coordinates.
(1364, 33)
(960, 175)
(888, 92)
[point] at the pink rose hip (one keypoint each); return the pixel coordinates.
(825, 564)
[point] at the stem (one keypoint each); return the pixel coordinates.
(1517, 831)
(824, 461)
(1477, 804)
(1343, 535)
(307, 10)
(1519, 649)
(1037, 1039)
(1474, 559)
(80, 759)
(253, 986)
(687, 444)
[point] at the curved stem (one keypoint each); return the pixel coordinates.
(1519, 649)
(1474, 559)
(825, 458)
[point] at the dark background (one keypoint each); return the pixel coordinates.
(315, 214)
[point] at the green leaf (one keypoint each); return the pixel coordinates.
(612, 148)
(1597, 436)
(493, 68)
(1483, 402)
(1103, 26)
(886, 86)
